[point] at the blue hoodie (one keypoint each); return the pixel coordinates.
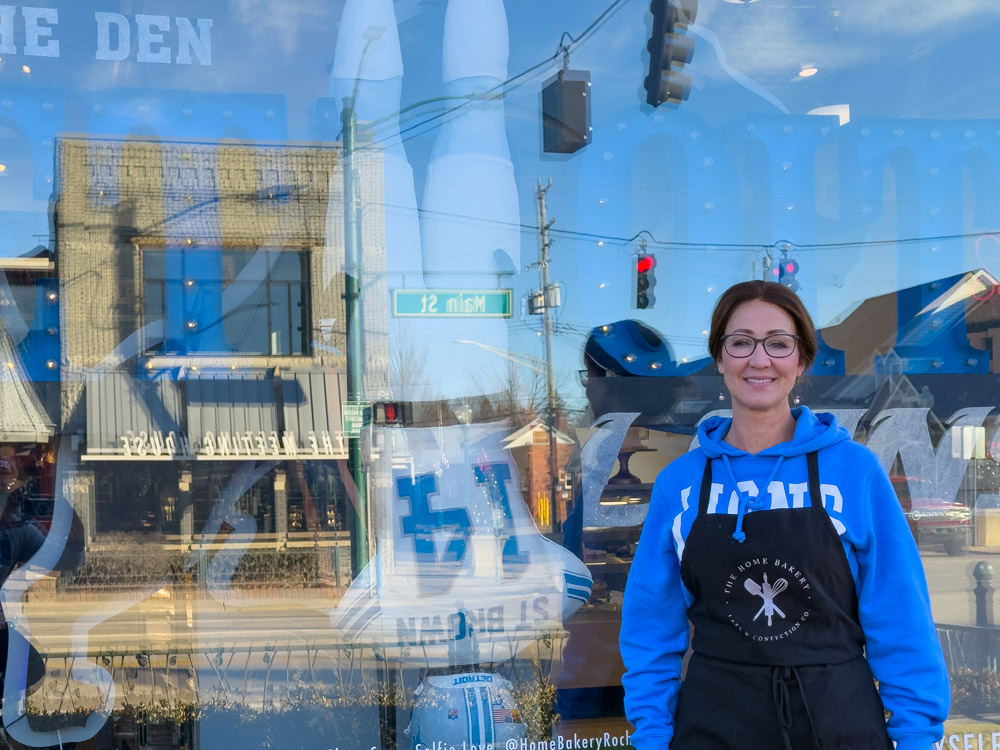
(902, 646)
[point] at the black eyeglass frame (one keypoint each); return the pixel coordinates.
(757, 342)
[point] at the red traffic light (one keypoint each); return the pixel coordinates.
(786, 271)
(391, 413)
(645, 280)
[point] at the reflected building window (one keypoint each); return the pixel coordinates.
(239, 301)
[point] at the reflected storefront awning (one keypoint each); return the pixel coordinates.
(24, 419)
(216, 416)
(127, 416)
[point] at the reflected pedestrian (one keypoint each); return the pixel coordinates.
(20, 539)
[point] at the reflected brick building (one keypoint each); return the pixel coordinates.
(202, 311)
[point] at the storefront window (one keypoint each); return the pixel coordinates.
(341, 343)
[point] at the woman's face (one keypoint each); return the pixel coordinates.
(760, 382)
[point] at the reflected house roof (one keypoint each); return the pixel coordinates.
(119, 404)
(525, 436)
(22, 416)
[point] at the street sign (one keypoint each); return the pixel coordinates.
(452, 303)
(356, 415)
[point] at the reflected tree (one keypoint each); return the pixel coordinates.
(408, 371)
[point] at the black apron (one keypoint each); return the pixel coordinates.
(778, 652)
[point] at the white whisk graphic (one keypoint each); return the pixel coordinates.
(767, 592)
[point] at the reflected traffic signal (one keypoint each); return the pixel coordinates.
(668, 49)
(645, 280)
(566, 112)
(786, 271)
(390, 413)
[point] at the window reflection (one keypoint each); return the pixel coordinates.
(174, 327)
(266, 312)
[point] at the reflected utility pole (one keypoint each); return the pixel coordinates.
(355, 346)
(354, 273)
(550, 299)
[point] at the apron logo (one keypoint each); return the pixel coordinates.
(767, 592)
(772, 604)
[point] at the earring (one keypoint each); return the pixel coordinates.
(796, 400)
(722, 396)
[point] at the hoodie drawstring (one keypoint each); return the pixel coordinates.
(739, 534)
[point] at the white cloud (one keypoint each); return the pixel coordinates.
(907, 17)
(772, 37)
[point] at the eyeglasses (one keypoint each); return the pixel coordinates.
(777, 345)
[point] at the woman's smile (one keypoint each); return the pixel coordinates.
(756, 379)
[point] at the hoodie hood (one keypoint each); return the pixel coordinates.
(812, 432)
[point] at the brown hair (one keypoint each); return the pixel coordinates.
(766, 291)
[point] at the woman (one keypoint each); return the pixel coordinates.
(787, 595)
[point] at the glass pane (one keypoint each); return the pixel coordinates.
(298, 319)
(280, 318)
(153, 265)
(286, 266)
(234, 264)
(246, 325)
(343, 347)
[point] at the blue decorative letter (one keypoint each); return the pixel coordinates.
(435, 574)
(495, 477)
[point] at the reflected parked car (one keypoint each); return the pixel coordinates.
(933, 520)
